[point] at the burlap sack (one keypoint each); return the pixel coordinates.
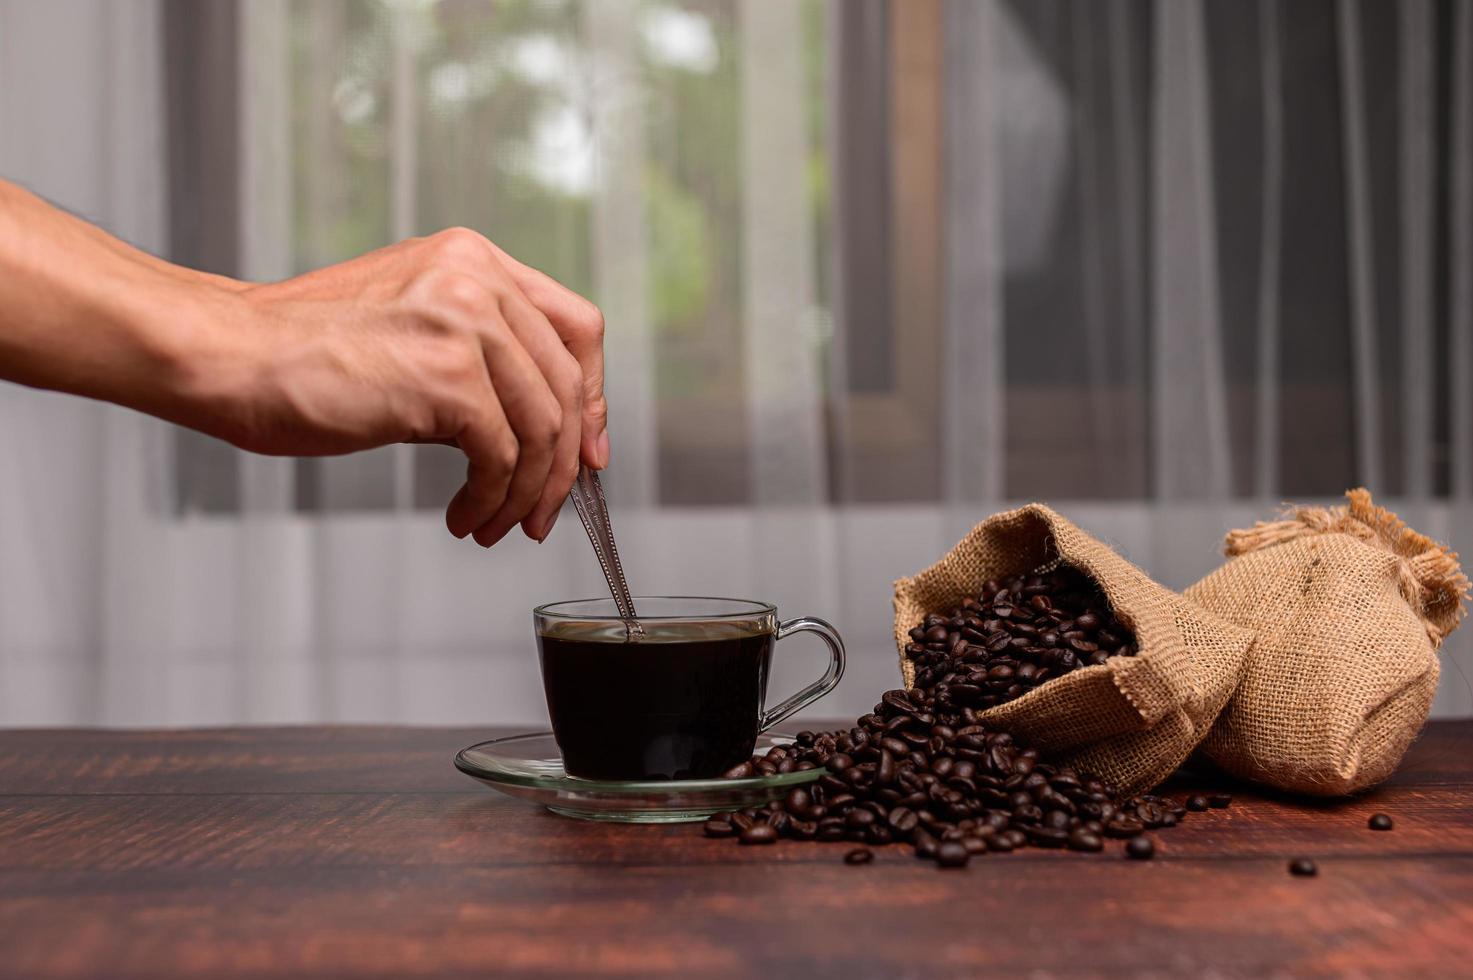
(1349, 606)
(1131, 720)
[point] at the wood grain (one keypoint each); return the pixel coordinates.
(361, 852)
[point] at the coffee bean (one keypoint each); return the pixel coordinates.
(1379, 821)
(1000, 842)
(1219, 801)
(832, 784)
(1124, 828)
(759, 833)
(952, 854)
(1303, 867)
(1082, 839)
(1140, 848)
(903, 819)
(1151, 814)
(860, 855)
(742, 770)
(885, 769)
(1048, 836)
(719, 826)
(1197, 803)
(1057, 819)
(839, 761)
(895, 746)
(898, 701)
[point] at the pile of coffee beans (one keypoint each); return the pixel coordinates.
(1016, 634)
(920, 771)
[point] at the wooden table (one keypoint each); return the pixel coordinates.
(362, 852)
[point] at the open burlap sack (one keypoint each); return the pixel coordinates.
(1349, 606)
(1131, 720)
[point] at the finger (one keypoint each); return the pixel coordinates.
(535, 417)
(561, 372)
(580, 326)
(491, 458)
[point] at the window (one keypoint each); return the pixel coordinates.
(881, 252)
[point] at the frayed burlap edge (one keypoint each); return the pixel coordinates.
(1429, 576)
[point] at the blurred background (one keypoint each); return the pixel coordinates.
(872, 270)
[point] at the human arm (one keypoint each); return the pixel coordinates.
(443, 339)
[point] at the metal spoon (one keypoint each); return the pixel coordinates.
(593, 511)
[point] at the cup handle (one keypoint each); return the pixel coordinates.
(820, 687)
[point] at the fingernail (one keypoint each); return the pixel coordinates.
(601, 453)
(487, 541)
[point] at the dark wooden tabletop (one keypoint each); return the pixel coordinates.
(362, 852)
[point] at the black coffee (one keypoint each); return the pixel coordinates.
(662, 708)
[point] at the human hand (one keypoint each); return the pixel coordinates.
(438, 339)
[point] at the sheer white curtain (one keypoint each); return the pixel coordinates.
(332, 592)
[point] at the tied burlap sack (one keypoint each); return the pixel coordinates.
(1349, 606)
(1131, 720)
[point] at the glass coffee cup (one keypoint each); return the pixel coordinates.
(683, 701)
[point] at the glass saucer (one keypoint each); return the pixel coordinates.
(530, 767)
